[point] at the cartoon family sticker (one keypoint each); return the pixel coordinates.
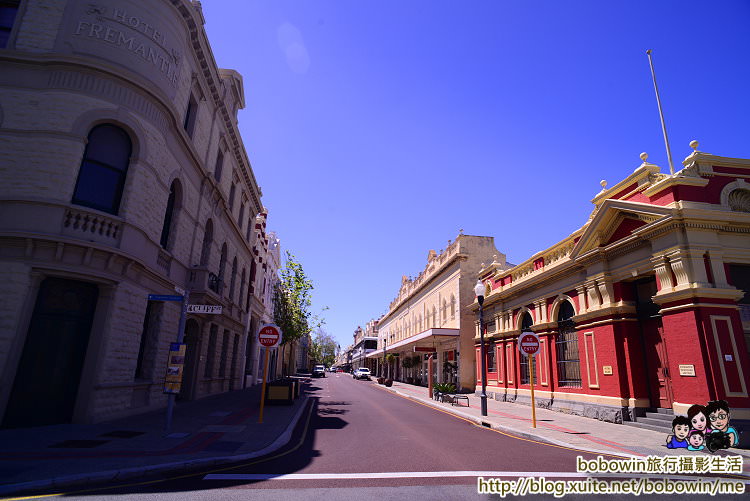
(704, 428)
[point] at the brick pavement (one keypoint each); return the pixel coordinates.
(205, 432)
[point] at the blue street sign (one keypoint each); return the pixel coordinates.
(162, 297)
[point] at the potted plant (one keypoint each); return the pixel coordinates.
(439, 389)
(389, 382)
(381, 380)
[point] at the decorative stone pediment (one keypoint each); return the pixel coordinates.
(611, 216)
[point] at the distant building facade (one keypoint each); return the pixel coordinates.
(431, 315)
(645, 307)
(365, 341)
(123, 176)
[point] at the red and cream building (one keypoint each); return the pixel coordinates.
(645, 306)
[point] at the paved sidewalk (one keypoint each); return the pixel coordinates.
(210, 431)
(554, 427)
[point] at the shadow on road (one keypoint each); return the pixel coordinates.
(296, 455)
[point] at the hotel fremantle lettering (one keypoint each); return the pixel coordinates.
(134, 34)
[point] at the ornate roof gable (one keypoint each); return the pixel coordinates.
(610, 216)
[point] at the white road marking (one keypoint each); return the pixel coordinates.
(430, 474)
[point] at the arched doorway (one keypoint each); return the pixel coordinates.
(49, 371)
(192, 352)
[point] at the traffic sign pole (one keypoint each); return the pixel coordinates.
(528, 345)
(269, 336)
(263, 388)
(533, 407)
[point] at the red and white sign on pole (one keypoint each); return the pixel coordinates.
(269, 336)
(528, 343)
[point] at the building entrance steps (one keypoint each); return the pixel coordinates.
(565, 430)
(658, 420)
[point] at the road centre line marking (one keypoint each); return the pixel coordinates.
(435, 474)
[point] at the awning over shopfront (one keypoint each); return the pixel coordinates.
(428, 338)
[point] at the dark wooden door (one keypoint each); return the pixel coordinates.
(658, 366)
(49, 372)
(657, 374)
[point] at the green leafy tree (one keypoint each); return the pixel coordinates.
(292, 301)
(323, 349)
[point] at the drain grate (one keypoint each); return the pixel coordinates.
(78, 444)
(122, 434)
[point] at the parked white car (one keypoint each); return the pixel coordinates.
(362, 373)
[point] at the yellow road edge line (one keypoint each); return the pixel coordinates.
(250, 463)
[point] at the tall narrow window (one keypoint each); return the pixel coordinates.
(219, 165)
(211, 352)
(434, 317)
(233, 367)
(249, 229)
(232, 190)
(8, 10)
(101, 177)
(491, 358)
(168, 216)
(233, 279)
(453, 307)
(566, 345)
(190, 114)
(524, 360)
(208, 237)
(224, 349)
(222, 267)
(242, 287)
(241, 219)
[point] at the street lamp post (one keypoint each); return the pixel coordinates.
(479, 291)
(385, 345)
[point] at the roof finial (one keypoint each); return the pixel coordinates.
(694, 145)
(644, 156)
(603, 182)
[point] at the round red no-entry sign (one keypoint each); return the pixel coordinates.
(528, 343)
(269, 336)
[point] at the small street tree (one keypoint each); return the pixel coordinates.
(292, 301)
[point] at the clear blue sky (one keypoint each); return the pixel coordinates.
(378, 129)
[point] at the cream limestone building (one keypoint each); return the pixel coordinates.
(123, 175)
(431, 314)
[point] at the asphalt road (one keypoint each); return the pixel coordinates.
(359, 442)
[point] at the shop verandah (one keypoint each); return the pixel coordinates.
(408, 361)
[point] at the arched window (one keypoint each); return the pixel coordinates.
(233, 279)
(434, 317)
(242, 287)
(445, 310)
(222, 267)
(172, 203)
(526, 324)
(208, 238)
(566, 344)
(453, 307)
(101, 177)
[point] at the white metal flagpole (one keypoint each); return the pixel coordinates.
(661, 114)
